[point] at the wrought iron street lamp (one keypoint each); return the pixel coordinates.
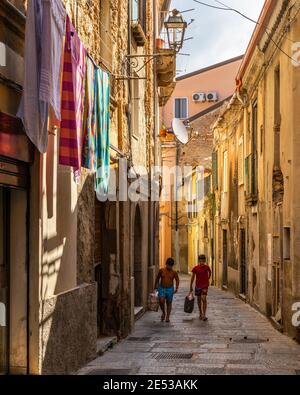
(176, 27)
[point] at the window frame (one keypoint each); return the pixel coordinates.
(187, 106)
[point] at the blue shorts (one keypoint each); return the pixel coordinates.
(166, 293)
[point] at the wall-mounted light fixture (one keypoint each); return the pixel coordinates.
(175, 27)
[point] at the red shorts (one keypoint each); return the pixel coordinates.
(201, 291)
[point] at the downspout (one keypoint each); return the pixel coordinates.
(129, 118)
(155, 134)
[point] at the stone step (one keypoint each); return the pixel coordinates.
(138, 312)
(104, 343)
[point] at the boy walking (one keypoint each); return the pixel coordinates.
(165, 284)
(202, 273)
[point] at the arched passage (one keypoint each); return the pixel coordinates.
(138, 280)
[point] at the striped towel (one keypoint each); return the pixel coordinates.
(88, 150)
(102, 111)
(74, 69)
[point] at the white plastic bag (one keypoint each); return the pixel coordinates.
(153, 302)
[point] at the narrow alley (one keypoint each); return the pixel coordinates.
(236, 340)
(141, 140)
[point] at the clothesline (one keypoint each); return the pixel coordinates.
(61, 75)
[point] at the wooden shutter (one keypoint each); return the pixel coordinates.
(215, 170)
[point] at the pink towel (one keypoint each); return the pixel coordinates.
(73, 89)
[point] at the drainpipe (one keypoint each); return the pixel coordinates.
(129, 118)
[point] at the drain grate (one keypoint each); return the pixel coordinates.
(172, 355)
(139, 339)
(250, 341)
(110, 372)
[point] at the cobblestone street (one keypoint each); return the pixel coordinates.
(236, 340)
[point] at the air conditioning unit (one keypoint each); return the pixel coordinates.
(212, 96)
(199, 97)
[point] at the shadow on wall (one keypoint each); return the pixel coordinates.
(68, 323)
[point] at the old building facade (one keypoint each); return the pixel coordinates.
(85, 266)
(186, 225)
(256, 167)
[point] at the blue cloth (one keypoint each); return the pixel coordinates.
(166, 293)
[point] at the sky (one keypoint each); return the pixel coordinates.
(218, 35)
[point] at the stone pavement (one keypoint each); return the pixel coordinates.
(235, 340)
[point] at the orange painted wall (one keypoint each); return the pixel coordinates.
(220, 79)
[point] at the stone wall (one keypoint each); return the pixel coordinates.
(68, 332)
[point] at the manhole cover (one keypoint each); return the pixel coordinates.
(107, 372)
(139, 339)
(172, 355)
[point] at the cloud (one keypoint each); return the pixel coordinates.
(218, 35)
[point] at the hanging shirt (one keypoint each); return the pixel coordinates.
(53, 31)
(102, 116)
(32, 110)
(88, 149)
(74, 67)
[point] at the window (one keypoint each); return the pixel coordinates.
(181, 108)
(247, 175)
(205, 230)
(277, 114)
(207, 183)
(241, 162)
(287, 244)
(277, 117)
(139, 10)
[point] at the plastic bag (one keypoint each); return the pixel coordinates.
(189, 303)
(153, 302)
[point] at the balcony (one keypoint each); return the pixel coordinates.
(138, 23)
(166, 73)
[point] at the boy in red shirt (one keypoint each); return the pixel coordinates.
(202, 273)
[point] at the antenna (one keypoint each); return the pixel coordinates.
(180, 131)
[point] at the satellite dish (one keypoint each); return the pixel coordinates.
(180, 130)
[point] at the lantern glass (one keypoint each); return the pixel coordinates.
(175, 26)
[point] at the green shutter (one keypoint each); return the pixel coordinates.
(215, 169)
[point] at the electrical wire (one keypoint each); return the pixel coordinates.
(258, 24)
(227, 8)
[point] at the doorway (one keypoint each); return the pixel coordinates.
(13, 281)
(243, 269)
(138, 278)
(4, 282)
(277, 265)
(106, 268)
(225, 259)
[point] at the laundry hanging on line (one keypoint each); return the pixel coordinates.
(44, 35)
(89, 138)
(59, 73)
(102, 111)
(73, 89)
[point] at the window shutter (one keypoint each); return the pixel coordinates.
(241, 163)
(177, 108)
(215, 169)
(184, 108)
